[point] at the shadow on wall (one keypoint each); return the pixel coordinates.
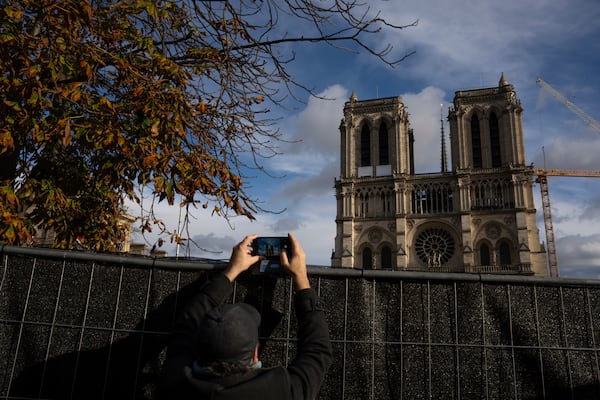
(553, 370)
(130, 366)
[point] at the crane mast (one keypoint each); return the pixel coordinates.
(547, 210)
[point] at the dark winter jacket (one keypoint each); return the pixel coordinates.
(301, 379)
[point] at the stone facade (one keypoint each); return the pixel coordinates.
(478, 217)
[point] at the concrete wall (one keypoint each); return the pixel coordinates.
(81, 326)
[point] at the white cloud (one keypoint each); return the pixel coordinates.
(214, 245)
(313, 134)
(566, 152)
(284, 225)
(318, 184)
(579, 256)
(424, 115)
(468, 43)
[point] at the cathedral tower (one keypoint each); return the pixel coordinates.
(479, 217)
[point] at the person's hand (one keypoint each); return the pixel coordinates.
(296, 264)
(241, 258)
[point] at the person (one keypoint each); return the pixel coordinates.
(214, 353)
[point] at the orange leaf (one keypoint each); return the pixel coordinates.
(154, 128)
(149, 160)
(67, 137)
(107, 103)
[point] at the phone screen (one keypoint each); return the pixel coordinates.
(270, 248)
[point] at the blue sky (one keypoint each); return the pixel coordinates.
(461, 44)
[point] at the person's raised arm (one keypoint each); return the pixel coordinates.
(241, 258)
(307, 370)
(296, 264)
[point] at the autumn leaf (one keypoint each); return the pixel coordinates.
(67, 136)
(154, 129)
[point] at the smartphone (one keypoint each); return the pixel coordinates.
(270, 247)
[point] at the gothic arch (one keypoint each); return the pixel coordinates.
(385, 256)
(485, 252)
(385, 119)
(375, 239)
(384, 140)
(375, 236)
(495, 139)
(475, 131)
(477, 109)
(366, 256)
(502, 249)
(364, 151)
(383, 143)
(491, 231)
(505, 253)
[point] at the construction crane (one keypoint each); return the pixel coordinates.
(580, 113)
(543, 175)
(542, 179)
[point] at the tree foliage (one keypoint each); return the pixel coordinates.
(100, 99)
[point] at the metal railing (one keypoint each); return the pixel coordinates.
(79, 325)
(522, 268)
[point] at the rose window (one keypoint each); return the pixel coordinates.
(434, 247)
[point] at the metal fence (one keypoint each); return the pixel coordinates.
(84, 326)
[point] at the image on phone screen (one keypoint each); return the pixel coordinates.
(270, 248)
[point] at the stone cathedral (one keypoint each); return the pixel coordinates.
(479, 216)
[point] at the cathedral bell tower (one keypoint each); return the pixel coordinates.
(376, 146)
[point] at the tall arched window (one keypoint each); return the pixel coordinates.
(365, 146)
(384, 152)
(484, 255)
(386, 257)
(476, 141)
(505, 254)
(367, 258)
(495, 141)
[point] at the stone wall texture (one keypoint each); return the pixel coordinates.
(84, 326)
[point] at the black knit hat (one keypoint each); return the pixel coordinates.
(229, 333)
